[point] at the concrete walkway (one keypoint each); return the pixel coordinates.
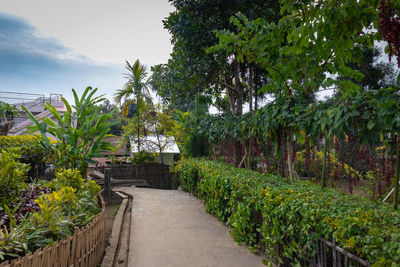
(171, 228)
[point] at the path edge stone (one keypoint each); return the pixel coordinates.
(108, 259)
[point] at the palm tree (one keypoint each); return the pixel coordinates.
(136, 86)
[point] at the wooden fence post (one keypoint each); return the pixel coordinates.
(107, 185)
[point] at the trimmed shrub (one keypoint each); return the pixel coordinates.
(26, 145)
(286, 220)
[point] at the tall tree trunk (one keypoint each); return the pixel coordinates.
(231, 96)
(249, 155)
(323, 179)
(256, 84)
(237, 153)
(281, 140)
(239, 90)
(251, 85)
(255, 101)
(160, 147)
(289, 148)
(138, 124)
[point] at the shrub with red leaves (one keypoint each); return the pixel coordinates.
(27, 205)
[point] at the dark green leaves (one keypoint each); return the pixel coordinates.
(265, 211)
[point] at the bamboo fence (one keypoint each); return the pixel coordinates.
(155, 174)
(84, 248)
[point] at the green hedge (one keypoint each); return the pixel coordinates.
(266, 212)
(26, 145)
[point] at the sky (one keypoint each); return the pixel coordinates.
(49, 46)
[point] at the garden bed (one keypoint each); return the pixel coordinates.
(84, 248)
(38, 214)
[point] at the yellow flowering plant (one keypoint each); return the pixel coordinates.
(337, 170)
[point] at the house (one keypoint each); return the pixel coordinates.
(152, 144)
(34, 103)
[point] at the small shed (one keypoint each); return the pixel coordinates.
(151, 144)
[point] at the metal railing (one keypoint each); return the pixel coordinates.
(29, 100)
(33, 102)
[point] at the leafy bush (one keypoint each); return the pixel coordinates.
(17, 239)
(26, 145)
(28, 204)
(75, 196)
(73, 178)
(142, 157)
(12, 176)
(286, 220)
(52, 216)
(30, 150)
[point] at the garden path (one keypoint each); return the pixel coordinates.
(171, 228)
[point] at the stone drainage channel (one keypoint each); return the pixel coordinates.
(117, 251)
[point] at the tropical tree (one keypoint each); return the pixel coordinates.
(159, 129)
(301, 52)
(137, 86)
(377, 75)
(192, 71)
(80, 133)
(105, 108)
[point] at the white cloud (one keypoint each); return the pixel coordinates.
(102, 30)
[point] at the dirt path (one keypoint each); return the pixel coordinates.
(171, 228)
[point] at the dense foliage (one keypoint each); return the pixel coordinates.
(80, 133)
(286, 220)
(41, 214)
(35, 213)
(105, 108)
(26, 145)
(12, 176)
(142, 157)
(289, 49)
(362, 121)
(389, 25)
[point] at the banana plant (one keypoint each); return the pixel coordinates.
(80, 134)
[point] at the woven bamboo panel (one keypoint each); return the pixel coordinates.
(157, 175)
(84, 248)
